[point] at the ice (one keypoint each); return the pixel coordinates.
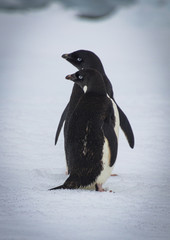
(134, 48)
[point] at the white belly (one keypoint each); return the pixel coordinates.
(106, 172)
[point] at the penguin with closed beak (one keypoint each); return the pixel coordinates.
(91, 140)
(83, 59)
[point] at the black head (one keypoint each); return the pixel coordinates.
(83, 59)
(90, 80)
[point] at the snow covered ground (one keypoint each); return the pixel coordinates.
(134, 47)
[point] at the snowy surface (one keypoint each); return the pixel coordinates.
(134, 48)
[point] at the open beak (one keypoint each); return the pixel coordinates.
(71, 77)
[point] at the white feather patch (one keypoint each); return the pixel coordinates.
(107, 170)
(85, 89)
(85, 142)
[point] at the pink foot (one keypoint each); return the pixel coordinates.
(114, 175)
(99, 188)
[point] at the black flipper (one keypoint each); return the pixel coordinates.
(126, 127)
(62, 119)
(110, 134)
(72, 182)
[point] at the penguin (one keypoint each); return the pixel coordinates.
(83, 59)
(91, 140)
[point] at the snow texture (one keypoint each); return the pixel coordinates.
(134, 48)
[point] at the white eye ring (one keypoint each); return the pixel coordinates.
(80, 77)
(79, 59)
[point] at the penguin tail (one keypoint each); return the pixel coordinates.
(72, 182)
(59, 187)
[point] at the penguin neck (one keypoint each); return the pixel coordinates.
(100, 68)
(98, 89)
(108, 84)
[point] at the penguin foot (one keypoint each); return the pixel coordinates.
(66, 172)
(99, 188)
(114, 175)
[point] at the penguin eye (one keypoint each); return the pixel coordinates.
(79, 59)
(80, 77)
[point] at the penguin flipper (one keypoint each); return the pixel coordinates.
(110, 134)
(72, 182)
(62, 119)
(126, 127)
